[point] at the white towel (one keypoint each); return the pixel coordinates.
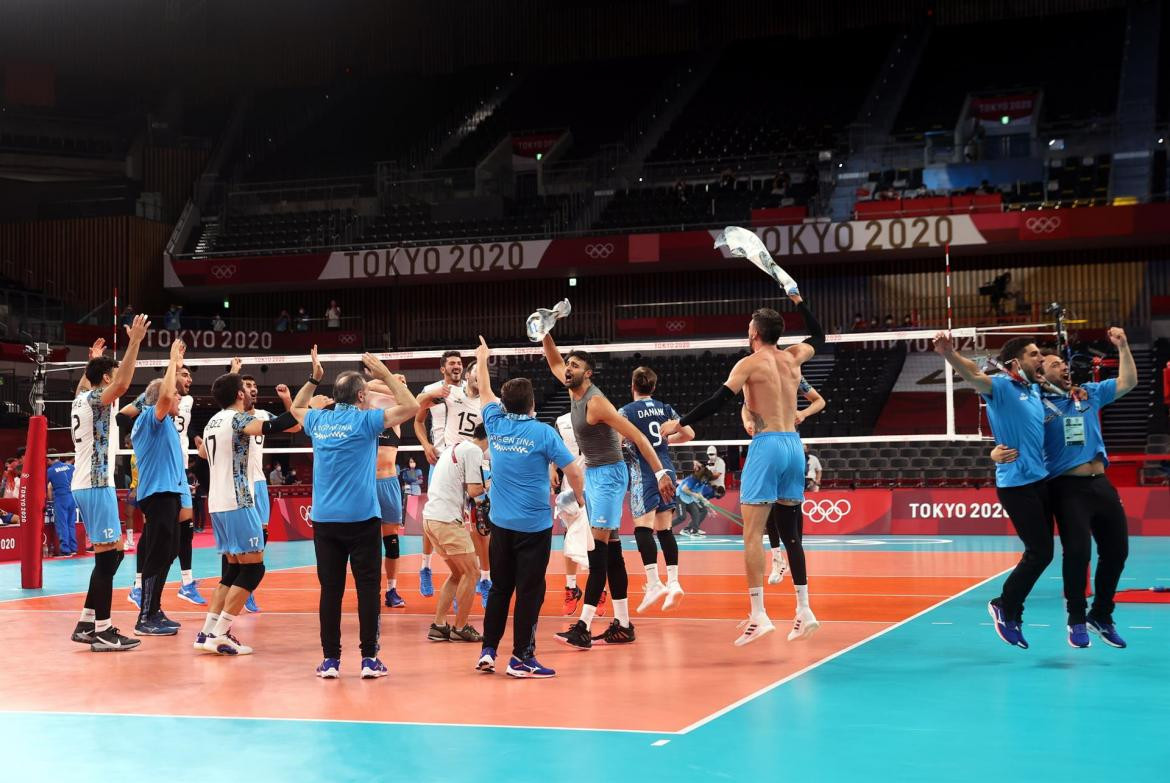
(578, 537)
(745, 244)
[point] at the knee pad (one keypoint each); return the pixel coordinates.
(231, 573)
(390, 546)
(106, 563)
(250, 576)
(121, 557)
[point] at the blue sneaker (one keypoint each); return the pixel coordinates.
(250, 604)
(394, 600)
(372, 668)
(1008, 630)
(426, 587)
(191, 593)
(151, 626)
(483, 587)
(529, 668)
(135, 597)
(487, 660)
(330, 669)
(1107, 631)
(1078, 636)
(165, 621)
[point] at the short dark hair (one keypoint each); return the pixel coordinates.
(517, 396)
(1013, 348)
(447, 355)
(251, 378)
(582, 356)
(645, 380)
(347, 386)
(226, 388)
(479, 433)
(769, 324)
(96, 369)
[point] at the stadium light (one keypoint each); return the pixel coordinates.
(572, 282)
(539, 155)
(1004, 120)
(226, 304)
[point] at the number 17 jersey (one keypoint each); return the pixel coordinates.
(227, 446)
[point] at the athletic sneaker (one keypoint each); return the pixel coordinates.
(151, 626)
(753, 628)
(483, 587)
(372, 668)
(601, 603)
(1008, 630)
(572, 601)
(616, 634)
(110, 640)
(200, 644)
(487, 661)
(674, 595)
(576, 636)
(394, 600)
(168, 622)
(439, 633)
(250, 604)
(135, 596)
(1107, 631)
(1078, 636)
(700, 532)
(654, 591)
(779, 568)
(426, 587)
(330, 669)
(529, 668)
(804, 625)
(465, 634)
(190, 593)
(84, 633)
(228, 645)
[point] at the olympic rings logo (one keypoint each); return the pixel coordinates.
(223, 271)
(830, 511)
(1042, 225)
(347, 338)
(306, 512)
(675, 326)
(599, 250)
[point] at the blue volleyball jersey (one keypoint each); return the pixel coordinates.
(648, 416)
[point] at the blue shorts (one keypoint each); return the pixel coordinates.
(99, 512)
(185, 497)
(237, 532)
(644, 495)
(773, 470)
(605, 488)
(263, 503)
(390, 500)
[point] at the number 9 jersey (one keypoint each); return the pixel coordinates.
(648, 415)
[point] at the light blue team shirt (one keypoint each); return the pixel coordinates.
(521, 449)
(345, 457)
(161, 467)
(1073, 437)
(1017, 420)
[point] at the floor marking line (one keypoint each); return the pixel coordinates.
(659, 743)
(751, 696)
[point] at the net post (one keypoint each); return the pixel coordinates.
(32, 504)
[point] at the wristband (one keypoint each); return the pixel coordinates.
(661, 473)
(313, 381)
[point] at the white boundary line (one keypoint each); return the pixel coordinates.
(838, 654)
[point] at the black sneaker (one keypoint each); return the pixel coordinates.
(161, 619)
(439, 633)
(110, 640)
(577, 636)
(465, 634)
(616, 634)
(84, 633)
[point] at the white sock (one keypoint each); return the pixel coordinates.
(672, 574)
(102, 625)
(651, 574)
(587, 613)
(484, 574)
(187, 578)
(570, 581)
(87, 616)
(777, 555)
(393, 583)
(801, 596)
(138, 581)
(756, 594)
(426, 561)
(223, 624)
(621, 610)
(209, 622)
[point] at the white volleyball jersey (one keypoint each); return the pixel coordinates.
(229, 487)
(90, 427)
(565, 428)
(182, 422)
(256, 453)
(463, 413)
(438, 416)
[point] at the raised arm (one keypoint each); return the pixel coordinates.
(804, 351)
(816, 404)
(1127, 369)
(285, 397)
(300, 404)
(713, 404)
(405, 406)
(168, 392)
(95, 351)
(482, 354)
(424, 437)
(125, 372)
(552, 355)
(944, 345)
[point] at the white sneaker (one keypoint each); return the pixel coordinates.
(779, 569)
(653, 593)
(674, 595)
(804, 626)
(753, 628)
(226, 645)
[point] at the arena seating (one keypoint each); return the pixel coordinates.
(700, 203)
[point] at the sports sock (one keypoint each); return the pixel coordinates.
(187, 577)
(672, 574)
(426, 561)
(651, 574)
(777, 555)
(87, 616)
(621, 610)
(587, 613)
(223, 624)
(138, 581)
(484, 575)
(801, 596)
(756, 594)
(392, 584)
(209, 622)
(570, 581)
(102, 625)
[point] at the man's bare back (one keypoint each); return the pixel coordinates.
(769, 391)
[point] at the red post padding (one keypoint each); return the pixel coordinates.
(32, 504)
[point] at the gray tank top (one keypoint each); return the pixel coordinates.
(600, 444)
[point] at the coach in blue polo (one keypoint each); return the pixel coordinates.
(346, 516)
(521, 449)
